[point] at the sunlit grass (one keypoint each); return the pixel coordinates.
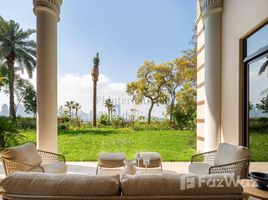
(86, 145)
(259, 146)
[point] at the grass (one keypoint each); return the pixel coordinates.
(259, 146)
(86, 145)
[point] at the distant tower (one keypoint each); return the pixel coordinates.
(95, 78)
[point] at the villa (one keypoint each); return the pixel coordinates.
(232, 47)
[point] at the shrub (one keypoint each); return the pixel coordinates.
(258, 124)
(9, 135)
(118, 122)
(185, 120)
(141, 126)
(103, 120)
(25, 123)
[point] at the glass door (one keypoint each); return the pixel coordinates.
(256, 93)
(257, 111)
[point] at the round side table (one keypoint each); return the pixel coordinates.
(250, 189)
(130, 167)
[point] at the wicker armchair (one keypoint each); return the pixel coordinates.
(27, 158)
(228, 159)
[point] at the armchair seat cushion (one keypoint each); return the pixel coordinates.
(199, 168)
(55, 168)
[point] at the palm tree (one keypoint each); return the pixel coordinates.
(16, 47)
(70, 106)
(77, 107)
(109, 105)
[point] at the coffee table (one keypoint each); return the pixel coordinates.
(250, 189)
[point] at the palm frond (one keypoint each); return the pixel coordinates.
(264, 67)
(15, 40)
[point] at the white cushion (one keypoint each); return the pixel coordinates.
(26, 154)
(199, 168)
(55, 168)
(229, 153)
(112, 159)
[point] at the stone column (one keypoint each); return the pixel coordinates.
(47, 16)
(211, 13)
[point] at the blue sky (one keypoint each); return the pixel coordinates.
(125, 32)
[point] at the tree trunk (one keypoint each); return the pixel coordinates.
(70, 113)
(109, 115)
(150, 112)
(171, 112)
(76, 113)
(11, 79)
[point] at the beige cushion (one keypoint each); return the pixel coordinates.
(42, 184)
(56, 167)
(228, 153)
(26, 154)
(111, 160)
(155, 159)
(177, 185)
(199, 168)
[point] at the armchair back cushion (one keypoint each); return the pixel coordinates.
(26, 154)
(229, 153)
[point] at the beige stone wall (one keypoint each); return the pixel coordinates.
(200, 81)
(239, 18)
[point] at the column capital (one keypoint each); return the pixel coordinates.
(52, 6)
(210, 6)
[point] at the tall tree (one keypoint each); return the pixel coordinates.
(16, 47)
(77, 107)
(180, 72)
(149, 85)
(110, 106)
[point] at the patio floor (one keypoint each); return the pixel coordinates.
(179, 167)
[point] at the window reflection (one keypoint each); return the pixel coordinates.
(258, 108)
(256, 41)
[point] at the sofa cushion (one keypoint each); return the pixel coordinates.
(199, 168)
(42, 184)
(178, 185)
(55, 168)
(26, 154)
(229, 153)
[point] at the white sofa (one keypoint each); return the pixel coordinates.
(22, 186)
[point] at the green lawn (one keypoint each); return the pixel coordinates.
(86, 145)
(258, 144)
